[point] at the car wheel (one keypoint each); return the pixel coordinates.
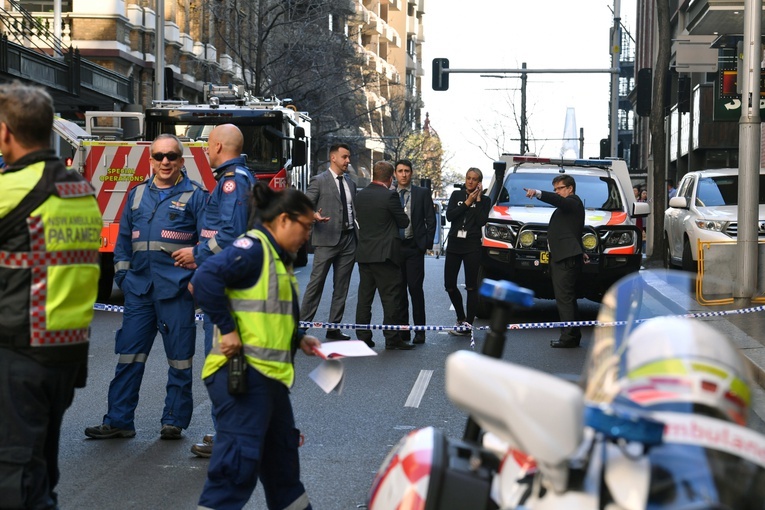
(483, 310)
(688, 263)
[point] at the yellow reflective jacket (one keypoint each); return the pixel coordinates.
(264, 319)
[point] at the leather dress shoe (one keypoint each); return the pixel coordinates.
(419, 338)
(204, 449)
(336, 334)
(399, 346)
(564, 344)
(370, 343)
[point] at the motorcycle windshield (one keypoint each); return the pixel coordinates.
(649, 350)
(659, 353)
(687, 477)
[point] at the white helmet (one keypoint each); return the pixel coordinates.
(674, 360)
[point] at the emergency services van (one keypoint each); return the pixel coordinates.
(515, 236)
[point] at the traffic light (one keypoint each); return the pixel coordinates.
(440, 78)
(605, 148)
(644, 90)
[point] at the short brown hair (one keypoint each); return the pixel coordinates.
(382, 171)
(27, 112)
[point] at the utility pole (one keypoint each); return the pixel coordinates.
(616, 45)
(524, 78)
(749, 132)
(159, 52)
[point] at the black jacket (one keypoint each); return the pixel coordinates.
(564, 235)
(379, 215)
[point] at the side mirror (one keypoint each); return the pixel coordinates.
(678, 202)
(640, 209)
(299, 153)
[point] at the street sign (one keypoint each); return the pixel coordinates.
(727, 103)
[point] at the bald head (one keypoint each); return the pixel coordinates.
(225, 142)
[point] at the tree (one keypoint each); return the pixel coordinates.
(658, 137)
(299, 49)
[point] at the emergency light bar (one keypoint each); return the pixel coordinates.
(562, 162)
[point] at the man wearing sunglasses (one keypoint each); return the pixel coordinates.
(564, 237)
(161, 216)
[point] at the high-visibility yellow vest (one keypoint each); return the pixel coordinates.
(264, 319)
(55, 240)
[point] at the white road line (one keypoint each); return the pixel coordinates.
(418, 390)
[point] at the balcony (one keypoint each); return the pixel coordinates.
(71, 80)
(375, 25)
(226, 62)
(172, 33)
(362, 13)
(187, 44)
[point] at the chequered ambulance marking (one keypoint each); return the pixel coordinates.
(403, 485)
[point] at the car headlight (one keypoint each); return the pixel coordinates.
(617, 238)
(589, 241)
(715, 226)
(527, 238)
(499, 232)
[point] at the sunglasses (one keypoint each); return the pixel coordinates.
(171, 156)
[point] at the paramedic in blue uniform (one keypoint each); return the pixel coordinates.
(225, 218)
(250, 293)
(161, 215)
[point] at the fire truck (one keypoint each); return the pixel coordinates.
(112, 151)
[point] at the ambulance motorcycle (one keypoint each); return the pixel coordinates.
(658, 420)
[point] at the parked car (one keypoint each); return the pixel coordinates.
(515, 237)
(704, 209)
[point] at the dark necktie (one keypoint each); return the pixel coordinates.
(344, 201)
(402, 196)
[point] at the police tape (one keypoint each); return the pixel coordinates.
(528, 325)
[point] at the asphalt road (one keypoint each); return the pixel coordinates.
(347, 435)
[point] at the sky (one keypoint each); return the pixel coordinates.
(501, 34)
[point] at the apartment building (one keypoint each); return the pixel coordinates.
(212, 42)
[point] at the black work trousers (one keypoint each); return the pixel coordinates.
(564, 274)
(33, 399)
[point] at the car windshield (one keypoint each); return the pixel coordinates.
(596, 192)
(723, 190)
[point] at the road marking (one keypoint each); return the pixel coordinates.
(418, 390)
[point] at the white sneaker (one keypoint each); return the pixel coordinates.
(463, 324)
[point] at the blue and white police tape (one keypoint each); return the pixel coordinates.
(101, 307)
(406, 327)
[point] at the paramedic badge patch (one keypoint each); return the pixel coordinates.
(229, 186)
(243, 243)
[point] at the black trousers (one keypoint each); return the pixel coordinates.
(564, 274)
(33, 398)
(413, 277)
(385, 278)
(471, 261)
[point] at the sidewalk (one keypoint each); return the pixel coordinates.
(748, 333)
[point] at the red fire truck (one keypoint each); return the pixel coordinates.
(112, 152)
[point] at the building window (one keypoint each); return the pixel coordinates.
(44, 5)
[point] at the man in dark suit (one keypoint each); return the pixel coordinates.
(380, 216)
(564, 237)
(418, 238)
(333, 239)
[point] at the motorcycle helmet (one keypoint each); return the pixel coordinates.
(666, 362)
